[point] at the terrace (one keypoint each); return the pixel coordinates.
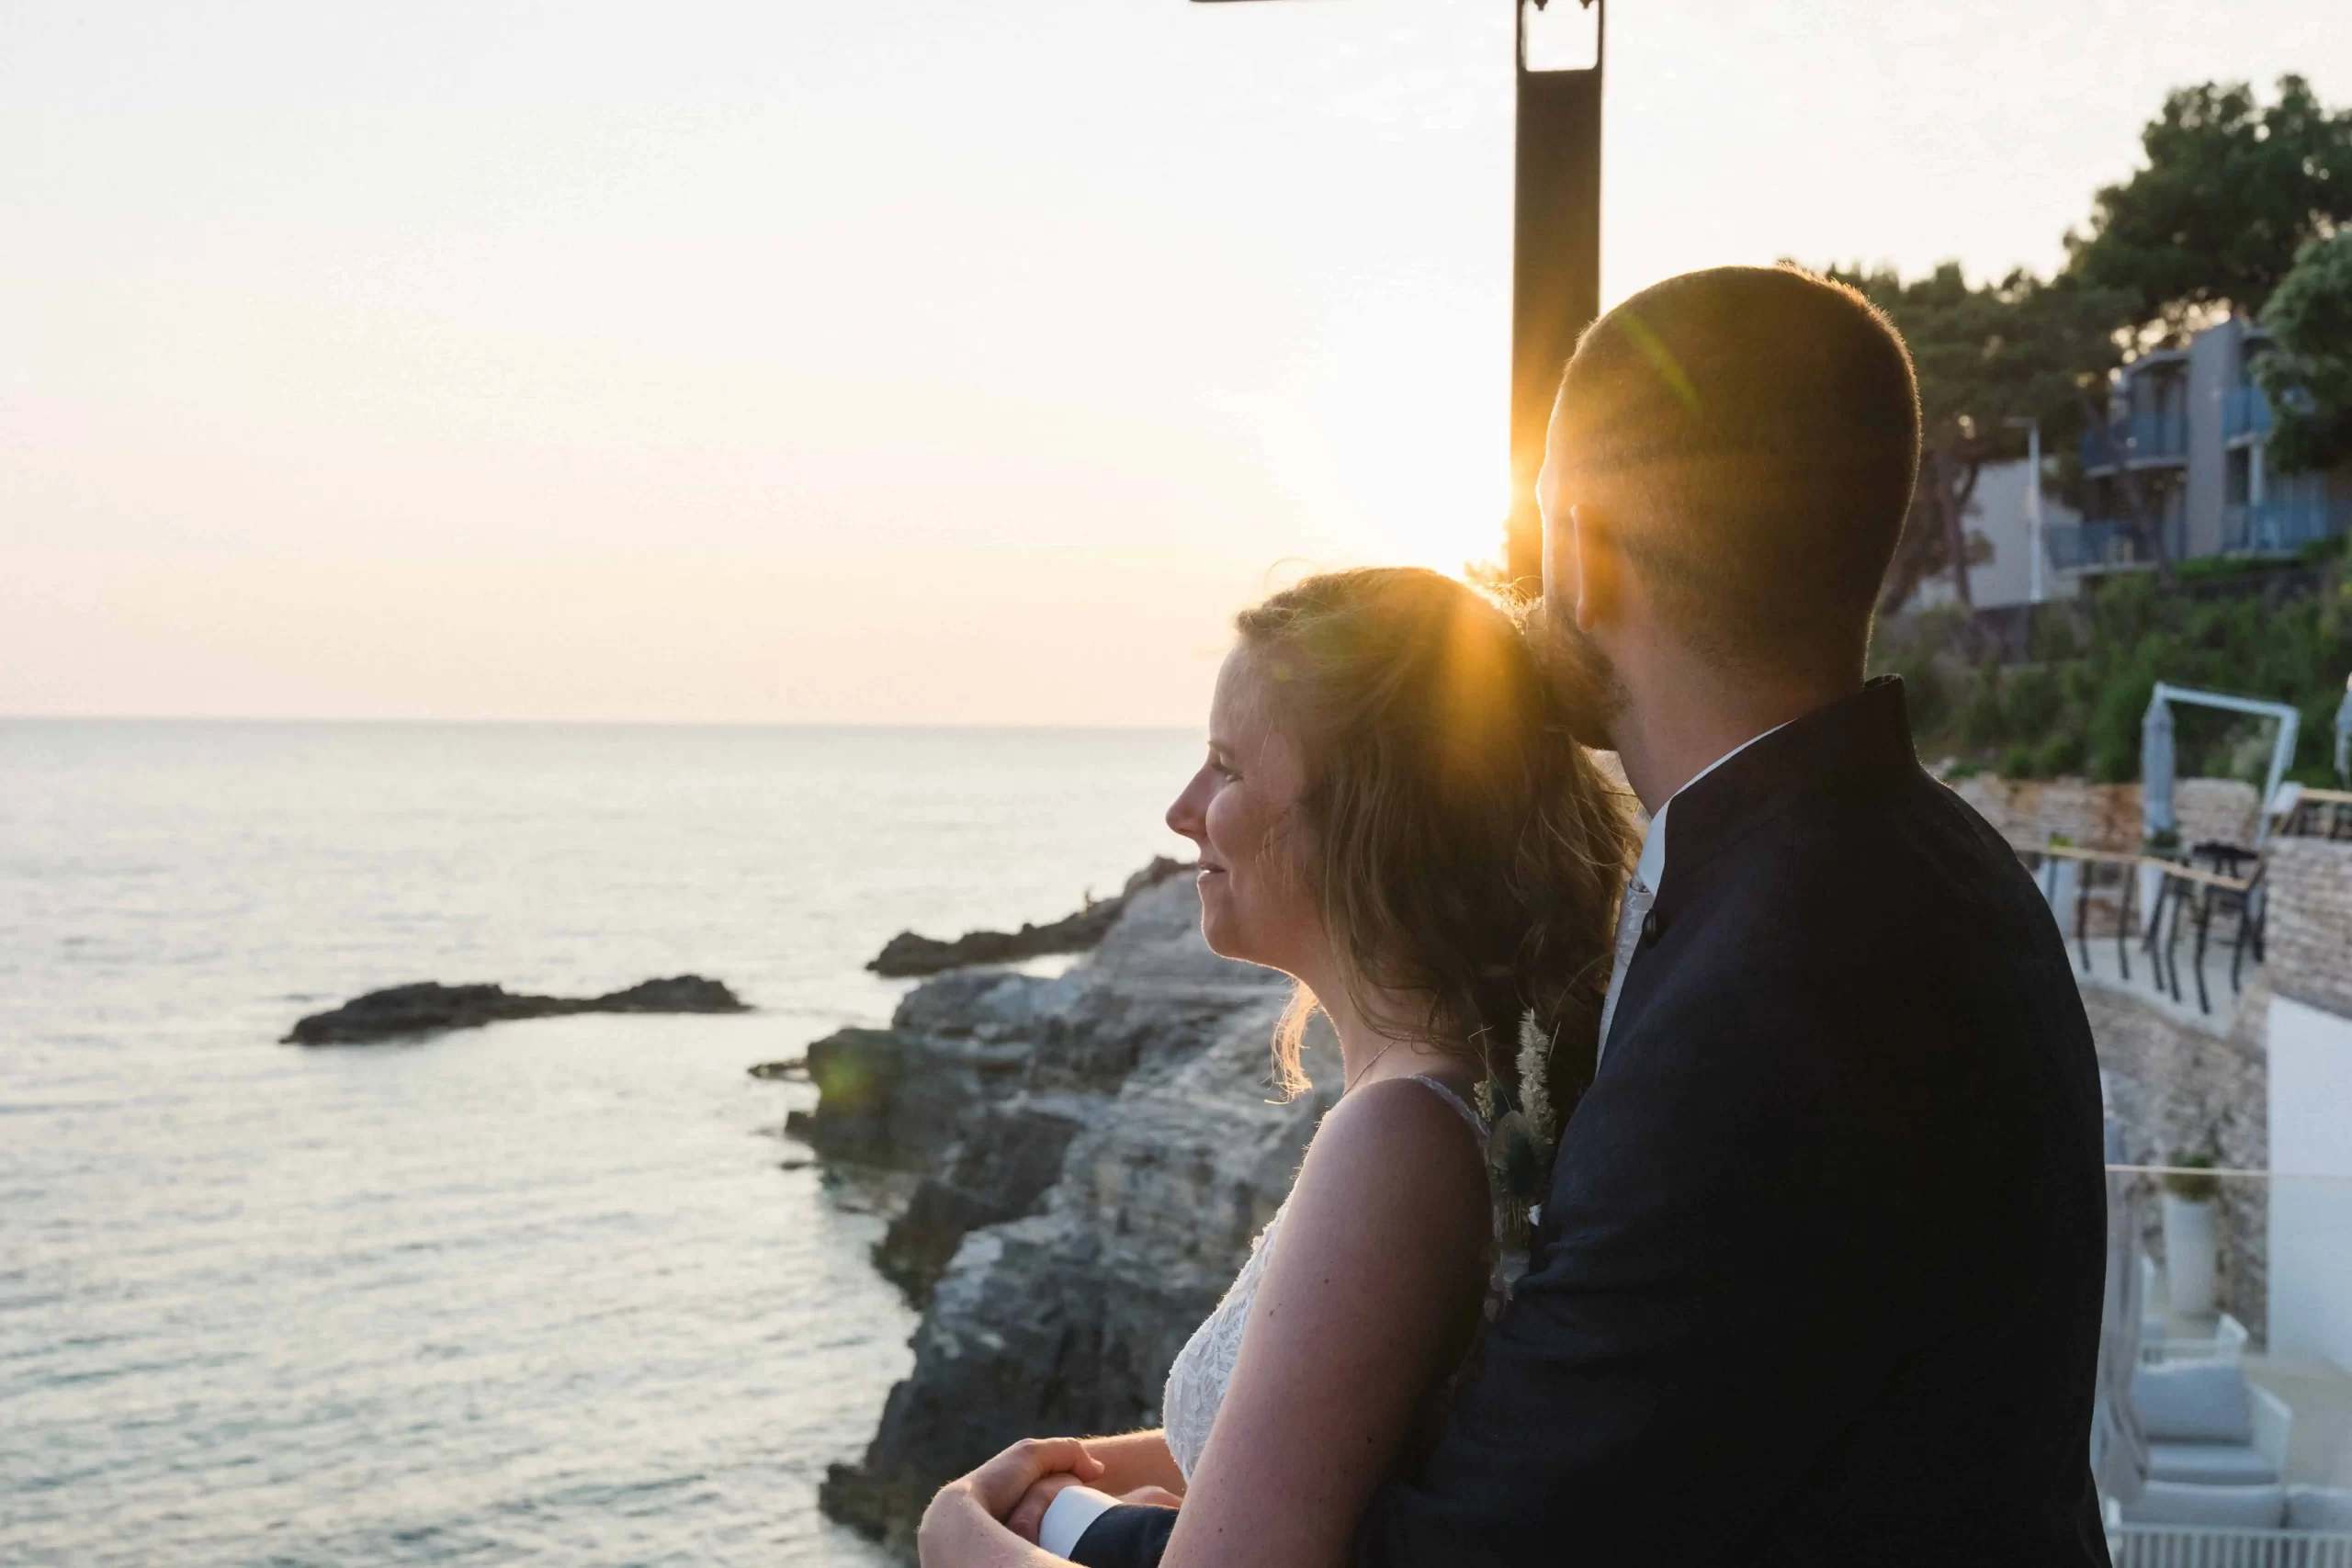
(2219, 988)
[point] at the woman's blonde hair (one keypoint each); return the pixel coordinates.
(1464, 849)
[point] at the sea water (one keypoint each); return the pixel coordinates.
(549, 1292)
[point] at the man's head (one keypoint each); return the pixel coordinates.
(1730, 459)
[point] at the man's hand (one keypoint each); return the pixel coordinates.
(1029, 1513)
(1028, 1516)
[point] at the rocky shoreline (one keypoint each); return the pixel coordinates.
(911, 954)
(1096, 1151)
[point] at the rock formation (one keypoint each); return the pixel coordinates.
(1097, 1151)
(430, 1008)
(910, 954)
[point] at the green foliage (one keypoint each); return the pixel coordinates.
(2032, 702)
(1925, 689)
(2319, 552)
(2059, 755)
(2113, 741)
(2054, 640)
(1983, 721)
(2205, 568)
(2183, 1182)
(2077, 708)
(1985, 354)
(2308, 379)
(2232, 189)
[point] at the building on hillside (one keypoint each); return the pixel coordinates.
(2190, 425)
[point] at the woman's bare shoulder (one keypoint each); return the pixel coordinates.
(1368, 1301)
(1395, 1158)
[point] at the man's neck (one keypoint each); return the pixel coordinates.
(1677, 725)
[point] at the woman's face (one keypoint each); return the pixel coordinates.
(1242, 810)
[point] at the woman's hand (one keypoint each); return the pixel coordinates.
(1002, 1482)
(962, 1524)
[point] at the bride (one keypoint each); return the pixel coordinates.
(1392, 812)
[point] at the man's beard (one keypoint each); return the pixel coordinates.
(1591, 693)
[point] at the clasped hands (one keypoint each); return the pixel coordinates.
(1018, 1486)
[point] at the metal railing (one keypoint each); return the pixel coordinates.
(2074, 547)
(2278, 524)
(2140, 438)
(2245, 411)
(2201, 1546)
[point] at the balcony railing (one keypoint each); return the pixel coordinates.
(2076, 546)
(2287, 520)
(2142, 438)
(2244, 412)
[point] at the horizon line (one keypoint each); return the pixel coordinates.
(936, 724)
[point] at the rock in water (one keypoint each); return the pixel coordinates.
(910, 953)
(680, 993)
(430, 1007)
(1097, 1151)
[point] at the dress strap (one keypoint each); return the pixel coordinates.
(1477, 1122)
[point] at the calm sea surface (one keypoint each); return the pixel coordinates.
(541, 1293)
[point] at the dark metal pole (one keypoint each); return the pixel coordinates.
(1555, 261)
(1555, 266)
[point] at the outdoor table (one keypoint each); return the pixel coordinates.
(2087, 860)
(2321, 814)
(2227, 858)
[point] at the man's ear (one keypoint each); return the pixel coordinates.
(1597, 565)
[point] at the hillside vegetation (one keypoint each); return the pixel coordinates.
(2073, 705)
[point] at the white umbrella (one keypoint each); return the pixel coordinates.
(2156, 765)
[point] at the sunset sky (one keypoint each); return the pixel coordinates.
(874, 361)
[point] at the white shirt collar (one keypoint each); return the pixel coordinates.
(1650, 869)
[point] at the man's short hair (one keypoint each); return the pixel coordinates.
(1751, 436)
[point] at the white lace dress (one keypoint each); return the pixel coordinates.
(1202, 1369)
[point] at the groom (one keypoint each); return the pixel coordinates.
(1818, 1277)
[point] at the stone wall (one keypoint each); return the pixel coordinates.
(2308, 935)
(2180, 1090)
(2107, 816)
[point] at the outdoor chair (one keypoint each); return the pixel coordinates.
(2220, 855)
(2318, 814)
(2183, 1524)
(2208, 1426)
(2159, 1346)
(2197, 897)
(2110, 881)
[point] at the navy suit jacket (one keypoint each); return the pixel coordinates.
(1818, 1277)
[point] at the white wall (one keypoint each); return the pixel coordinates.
(1997, 510)
(2311, 1221)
